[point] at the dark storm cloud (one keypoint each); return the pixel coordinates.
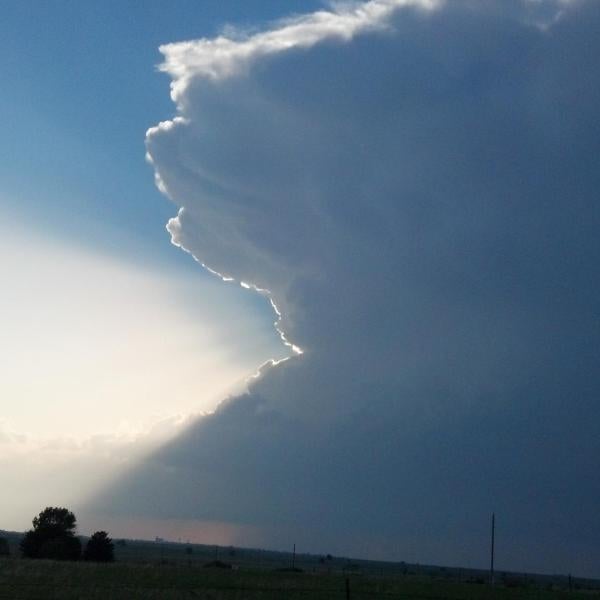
(421, 200)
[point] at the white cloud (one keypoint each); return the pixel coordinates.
(228, 55)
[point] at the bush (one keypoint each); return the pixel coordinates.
(61, 548)
(99, 548)
(217, 564)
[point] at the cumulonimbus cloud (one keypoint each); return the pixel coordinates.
(417, 189)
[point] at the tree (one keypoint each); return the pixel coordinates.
(52, 536)
(4, 548)
(99, 548)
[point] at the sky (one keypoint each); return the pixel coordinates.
(413, 185)
(113, 337)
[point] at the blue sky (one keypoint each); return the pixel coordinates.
(81, 87)
(80, 90)
(92, 282)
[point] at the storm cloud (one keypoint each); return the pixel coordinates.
(416, 185)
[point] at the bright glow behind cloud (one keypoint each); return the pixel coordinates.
(102, 360)
(99, 346)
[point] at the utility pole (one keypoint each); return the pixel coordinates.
(294, 558)
(492, 550)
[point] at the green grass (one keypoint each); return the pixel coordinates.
(49, 580)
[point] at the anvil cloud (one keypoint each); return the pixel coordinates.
(416, 184)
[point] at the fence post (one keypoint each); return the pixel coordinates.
(492, 550)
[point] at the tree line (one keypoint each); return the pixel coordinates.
(53, 537)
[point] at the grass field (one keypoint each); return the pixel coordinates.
(163, 570)
(48, 580)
